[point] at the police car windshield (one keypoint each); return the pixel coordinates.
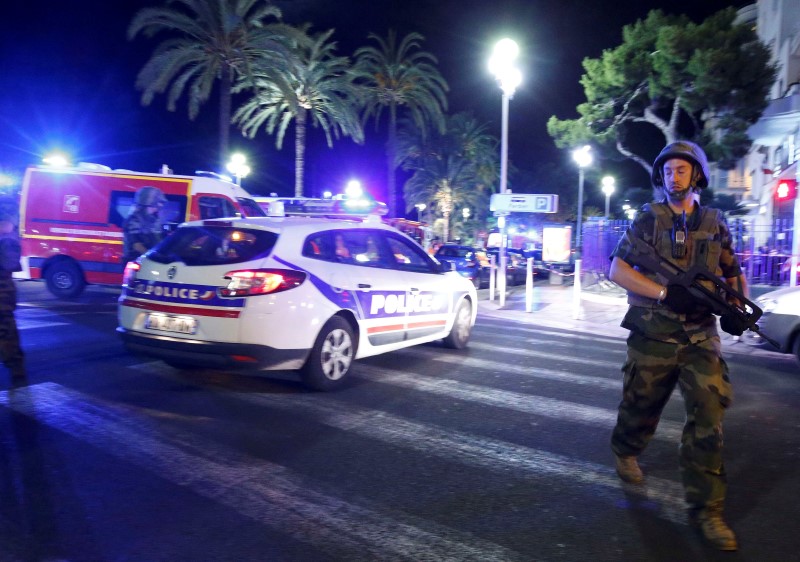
(213, 245)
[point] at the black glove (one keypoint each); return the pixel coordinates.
(732, 324)
(680, 300)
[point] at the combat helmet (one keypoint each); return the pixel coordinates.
(9, 209)
(148, 196)
(684, 150)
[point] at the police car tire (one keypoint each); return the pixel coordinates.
(331, 357)
(65, 279)
(462, 327)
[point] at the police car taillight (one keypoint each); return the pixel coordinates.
(131, 269)
(250, 282)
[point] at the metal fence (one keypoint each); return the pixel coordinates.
(764, 250)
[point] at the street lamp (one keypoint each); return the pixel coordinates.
(608, 189)
(501, 65)
(237, 165)
(354, 189)
(420, 207)
(582, 157)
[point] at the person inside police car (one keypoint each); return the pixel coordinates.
(674, 340)
(143, 229)
(10, 253)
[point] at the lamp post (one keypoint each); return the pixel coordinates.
(582, 157)
(608, 189)
(501, 65)
(237, 165)
(420, 207)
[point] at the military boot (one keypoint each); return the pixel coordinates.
(708, 520)
(628, 469)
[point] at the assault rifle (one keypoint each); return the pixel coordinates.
(722, 299)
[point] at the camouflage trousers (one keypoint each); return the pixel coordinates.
(10, 350)
(650, 374)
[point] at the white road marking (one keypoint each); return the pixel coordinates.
(263, 491)
(521, 402)
(464, 448)
(534, 372)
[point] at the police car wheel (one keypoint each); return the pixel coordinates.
(331, 356)
(64, 279)
(462, 327)
(796, 346)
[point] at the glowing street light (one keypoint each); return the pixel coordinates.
(501, 65)
(583, 158)
(238, 167)
(420, 207)
(465, 212)
(608, 188)
(354, 189)
(56, 160)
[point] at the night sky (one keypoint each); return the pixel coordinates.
(68, 74)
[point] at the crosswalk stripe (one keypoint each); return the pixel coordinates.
(464, 448)
(524, 327)
(260, 490)
(552, 350)
(535, 372)
(521, 402)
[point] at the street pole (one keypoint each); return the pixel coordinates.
(580, 212)
(501, 279)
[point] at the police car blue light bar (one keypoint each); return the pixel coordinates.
(309, 206)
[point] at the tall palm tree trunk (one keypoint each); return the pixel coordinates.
(391, 158)
(225, 114)
(299, 150)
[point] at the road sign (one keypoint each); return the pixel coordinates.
(523, 203)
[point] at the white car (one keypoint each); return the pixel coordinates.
(269, 293)
(780, 321)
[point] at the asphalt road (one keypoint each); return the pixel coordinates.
(499, 452)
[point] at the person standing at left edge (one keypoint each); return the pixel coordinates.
(10, 253)
(674, 339)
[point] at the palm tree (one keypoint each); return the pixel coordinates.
(398, 77)
(317, 86)
(216, 40)
(451, 170)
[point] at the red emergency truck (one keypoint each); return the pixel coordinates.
(71, 218)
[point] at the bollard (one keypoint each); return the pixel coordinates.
(576, 291)
(529, 286)
(492, 273)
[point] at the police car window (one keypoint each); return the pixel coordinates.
(351, 246)
(211, 245)
(408, 256)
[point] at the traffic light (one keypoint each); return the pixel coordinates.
(785, 190)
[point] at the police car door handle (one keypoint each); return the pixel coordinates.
(413, 290)
(364, 286)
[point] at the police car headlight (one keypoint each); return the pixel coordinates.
(251, 282)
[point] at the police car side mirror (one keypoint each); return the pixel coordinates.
(445, 266)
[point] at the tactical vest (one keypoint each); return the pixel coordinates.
(703, 246)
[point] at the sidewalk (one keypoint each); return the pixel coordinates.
(599, 311)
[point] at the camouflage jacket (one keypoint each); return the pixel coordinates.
(654, 320)
(143, 228)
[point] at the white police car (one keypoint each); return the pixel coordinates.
(290, 292)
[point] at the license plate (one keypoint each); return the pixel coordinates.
(168, 323)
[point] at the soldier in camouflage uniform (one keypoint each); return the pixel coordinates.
(142, 229)
(674, 340)
(10, 252)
